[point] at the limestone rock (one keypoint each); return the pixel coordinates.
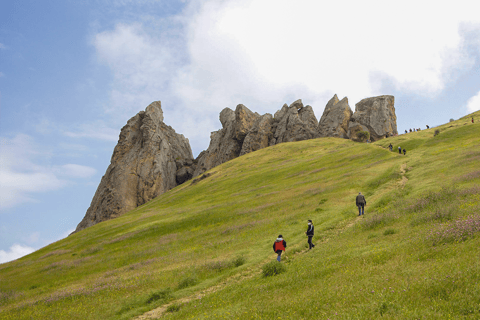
(149, 159)
(259, 135)
(335, 119)
(294, 123)
(377, 115)
(226, 143)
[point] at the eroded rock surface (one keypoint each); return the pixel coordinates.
(149, 159)
(375, 115)
(335, 119)
(294, 123)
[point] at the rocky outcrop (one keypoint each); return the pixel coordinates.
(244, 131)
(335, 119)
(149, 159)
(226, 143)
(375, 115)
(259, 135)
(294, 123)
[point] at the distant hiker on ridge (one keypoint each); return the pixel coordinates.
(404, 151)
(390, 147)
(361, 203)
(278, 246)
(399, 150)
(309, 234)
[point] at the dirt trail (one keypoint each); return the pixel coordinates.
(246, 274)
(404, 180)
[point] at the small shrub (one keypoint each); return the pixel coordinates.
(238, 261)
(322, 201)
(363, 135)
(159, 295)
(273, 268)
(188, 282)
(389, 231)
(173, 308)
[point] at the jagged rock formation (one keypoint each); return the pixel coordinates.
(149, 159)
(244, 131)
(294, 123)
(375, 115)
(335, 119)
(259, 135)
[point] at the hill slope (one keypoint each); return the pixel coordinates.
(199, 249)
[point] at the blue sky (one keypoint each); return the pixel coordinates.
(73, 72)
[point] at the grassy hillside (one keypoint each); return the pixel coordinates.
(198, 251)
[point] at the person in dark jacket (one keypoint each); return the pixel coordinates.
(279, 246)
(309, 233)
(400, 150)
(361, 203)
(390, 147)
(404, 151)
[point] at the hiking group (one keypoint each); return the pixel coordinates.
(280, 244)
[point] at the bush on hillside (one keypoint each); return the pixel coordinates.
(159, 295)
(188, 282)
(363, 135)
(238, 261)
(273, 268)
(173, 308)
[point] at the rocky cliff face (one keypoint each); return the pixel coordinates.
(375, 115)
(149, 159)
(335, 119)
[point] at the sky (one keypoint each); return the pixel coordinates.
(73, 72)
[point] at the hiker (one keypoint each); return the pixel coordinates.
(390, 147)
(361, 203)
(278, 246)
(406, 131)
(399, 150)
(309, 234)
(404, 151)
(428, 127)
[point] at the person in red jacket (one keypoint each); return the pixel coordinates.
(279, 246)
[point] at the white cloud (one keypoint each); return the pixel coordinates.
(95, 130)
(16, 251)
(473, 104)
(266, 53)
(22, 173)
(76, 171)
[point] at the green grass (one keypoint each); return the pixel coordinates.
(414, 254)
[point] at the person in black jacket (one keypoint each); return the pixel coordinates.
(279, 246)
(309, 233)
(361, 203)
